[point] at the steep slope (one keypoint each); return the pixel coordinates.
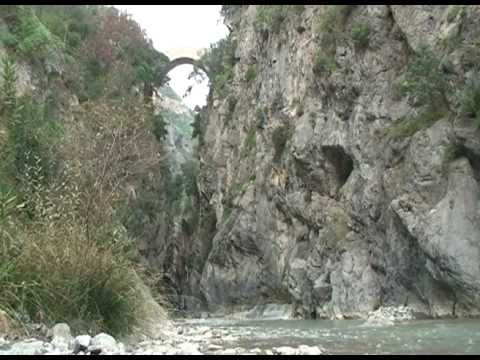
(76, 143)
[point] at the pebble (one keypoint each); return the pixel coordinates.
(188, 349)
(81, 343)
(62, 336)
(310, 350)
(104, 342)
(229, 352)
(27, 347)
(214, 347)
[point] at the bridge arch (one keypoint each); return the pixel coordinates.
(184, 61)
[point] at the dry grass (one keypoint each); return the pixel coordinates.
(60, 276)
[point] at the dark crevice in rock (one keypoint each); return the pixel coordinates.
(341, 161)
(473, 159)
(333, 172)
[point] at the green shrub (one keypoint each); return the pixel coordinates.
(250, 143)
(454, 151)
(229, 10)
(227, 211)
(455, 11)
(470, 98)
(280, 137)
(425, 81)
(190, 170)
(7, 38)
(232, 103)
(159, 127)
(32, 132)
(9, 207)
(406, 127)
(63, 255)
(220, 60)
(34, 39)
(72, 23)
(277, 103)
(269, 18)
(32, 142)
(9, 90)
(328, 26)
(469, 55)
(251, 74)
(361, 34)
(323, 63)
(197, 126)
(261, 116)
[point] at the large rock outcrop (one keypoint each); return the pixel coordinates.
(315, 202)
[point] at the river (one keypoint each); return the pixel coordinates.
(344, 336)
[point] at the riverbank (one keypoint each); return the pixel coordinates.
(268, 337)
(188, 340)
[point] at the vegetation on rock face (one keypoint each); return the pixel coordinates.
(261, 115)
(323, 63)
(427, 85)
(280, 137)
(251, 74)
(159, 127)
(249, 143)
(229, 10)
(454, 151)
(68, 169)
(270, 18)
(455, 11)
(470, 98)
(92, 46)
(332, 18)
(328, 27)
(31, 136)
(425, 81)
(220, 61)
(361, 34)
(31, 38)
(231, 103)
(198, 127)
(408, 126)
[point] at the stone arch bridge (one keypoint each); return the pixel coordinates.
(184, 61)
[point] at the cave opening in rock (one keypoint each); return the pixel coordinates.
(341, 162)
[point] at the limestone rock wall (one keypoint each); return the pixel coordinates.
(339, 218)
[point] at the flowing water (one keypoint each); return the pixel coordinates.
(348, 336)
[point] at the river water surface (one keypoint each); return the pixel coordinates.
(348, 336)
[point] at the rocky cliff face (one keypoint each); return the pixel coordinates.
(311, 198)
(179, 118)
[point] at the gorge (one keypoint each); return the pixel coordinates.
(325, 200)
